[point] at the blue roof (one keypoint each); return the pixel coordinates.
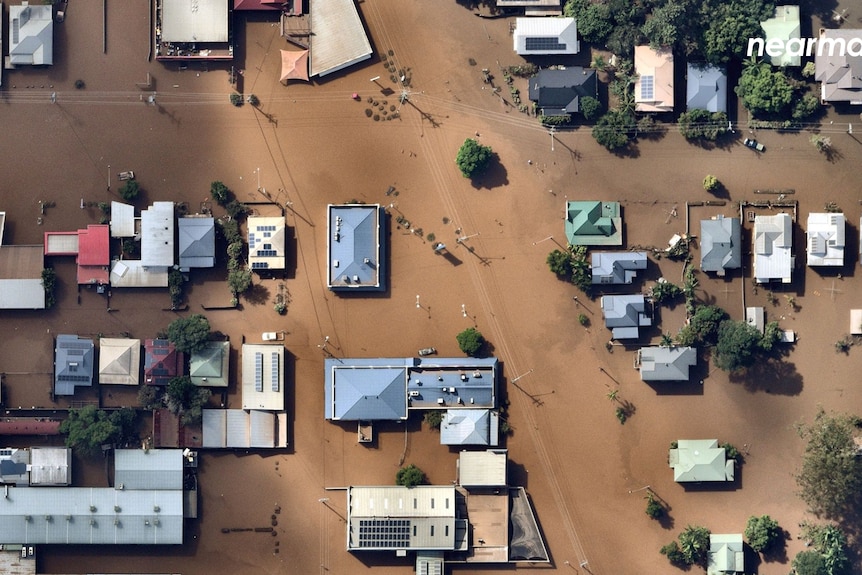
(624, 314)
(469, 427)
(355, 248)
(380, 388)
(197, 242)
(73, 364)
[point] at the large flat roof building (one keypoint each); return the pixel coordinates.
(243, 429)
(152, 469)
(21, 277)
(355, 248)
(338, 36)
(263, 377)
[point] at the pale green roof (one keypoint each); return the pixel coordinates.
(697, 460)
(784, 26)
(209, 366)
(594, 223)
(726, 555)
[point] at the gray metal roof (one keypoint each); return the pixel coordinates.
(355, 248)
(237, 428)
(617, 267)
(339, 39)
(198, 21)
(73, 363)
(83, 515)
(50, 466)
(151, 469)
(624, 314)
(469, 427)
(157, 235)
(720, 244)
(666, 363)
(197, 242)
(31, 34)
(840, 75)
(209, 366)
(13, 466)
(706, 88)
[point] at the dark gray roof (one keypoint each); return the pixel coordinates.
(197, 242)
(73, 364)
(617, 267)
(624, 314)
(720, 244)
(558, 92)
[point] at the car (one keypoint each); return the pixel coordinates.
(130, 175)
(754, 144)
(427, 351)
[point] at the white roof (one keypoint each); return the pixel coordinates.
(784, 25)
(825, 239)
(22, 294)
(132, 273)
(31, 34)
(119, 361)
(266, 242)
(856, 322)
(194, 20)
(482, 468)
(50, 466)
(263, 377)
(548, 35)
(339, 39)
(122, 220)
(726, 554)
(157, 235)
(773, 248)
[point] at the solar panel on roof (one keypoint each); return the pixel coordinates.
(647, 87)
(274, 373)
(544, 44)
(258, 371)
(390, 533)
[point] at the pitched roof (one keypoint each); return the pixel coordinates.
(197, 242)
(94, 254)
(294, 65)
(339, 38)
(546, 35)
(209, 366)
(825, 237)
(784, 26)
(773, 248)
(706, 88)
(31, 34)
(700, 460)
(469, 427)
(355, 248)
(162, 361)
(666, 363)
(840, 75)
(157, 235)
(720, 244)
(617, 267)
(73, 363)
(624, 314)
(590, 223)
(558, 92)
(654, 84)
(266, 237)
(119, 361)
(379, 394)
(726, 554)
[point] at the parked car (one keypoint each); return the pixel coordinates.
(754, 145)
(130, 175)
(427, 351)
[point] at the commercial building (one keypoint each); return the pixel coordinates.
(355, 248)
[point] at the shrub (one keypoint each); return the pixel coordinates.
(654, 509)
(236, 99)
(473, 158)
(615, 129)
(556, 120)
(219, 192)
(560, 263)
(711, 183)
(236, 209)
(665, 291)
(175, 287)
(280, 308)
(239, 281)
(701, 124)
(130, 190)
(591, 108)
(762, 532)
(252, 100)
(673, 553)
(434, 419)
(730, 451)
(583, 319)
(410, 476)
(471, 341)
(49, 283)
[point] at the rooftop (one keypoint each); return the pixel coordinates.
(198, 21)
(196, 242)
(706, 88)
(784, 26)
(720, 244)
(209, 366)
(594, 223)
(31, 34)
(119, 361)
(840, 76)
(339, 39)
(625, 315)
(73, 363)
(266, 240)
(355, 248)
(696, 460)
(666, 363)
(162, 361)
(617, 267)
(263, 377)
(654, 84)
(825, 239)
(773, 248)
(546, 35)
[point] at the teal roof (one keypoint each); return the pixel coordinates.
(784, 26)
(594, 223)
(696, 460)
(726, 554)
(209, 366)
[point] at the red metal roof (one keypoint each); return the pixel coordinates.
(29, 426)
(93, 245)
(162, 362)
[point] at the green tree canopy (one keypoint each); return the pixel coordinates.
(694, 544)
(764, 91)
(130, 190)
(830, 481)
(737, 346)
(185, 399)
(809, 563)
(762, 532)
(710, 183)
(239, 280)
(88, 428)
(594, 19)
(189, 334)
(728, 24)
(664, 291)
(471, 341)
(591, 108)
(410, 476)
(702, 125)
(664, 27)
(220, 193)
(473, 158)
(703, 326)
(560, 263)
(615, 129)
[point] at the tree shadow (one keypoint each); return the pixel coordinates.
(777, 552)
(720, 192)
(630, 150)
(257, 294)
(495, 175)
(771, 376)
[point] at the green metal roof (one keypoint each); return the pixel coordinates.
(594, 223)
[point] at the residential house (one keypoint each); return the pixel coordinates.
(157, 235)
(720, 245)
(94, 255)
(119, 361)
(73, 363)
(773, 248)
(706, 88)
(209, 366)
(196, 242)
(558, 92)
(594, 223)
(726, 554)
(838, 67)
(31, 34)
(470, 427)
(617, 268)
(825, 239)
(654, 85)
(355, 248)
(534, 7)
(266, 242)
(162, 362)
(696, 460)
(783, 27)
(546, 35)
(665, 363)
(626, 314)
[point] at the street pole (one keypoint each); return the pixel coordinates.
(544, 240)
(515, 380)
(463, 239)
(553, 129)
(109, 177)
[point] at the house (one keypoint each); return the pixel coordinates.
(196, 242)
(263, 377)
(119, 361)
(838, 67)
(720, 245)
(243, 429)
(726, 554)
(594, 223)
(375, 389)
(157, 235)
(94, 255)
(654, 85)
(134, 274)
(617, 268)
(266, 242)
(773, 248)
(21, 277)
(209, 366)
(783, 27)
(534, 7)
(696, 460)
(546, 35)
(626, 314)
(470, 427)
(558, 92)
(31, 35)
(706, 88)
(162, 362)
(855, 322)
(73, 363)
(825, 239)
(355, 248)
(665, 363)
(338, 38)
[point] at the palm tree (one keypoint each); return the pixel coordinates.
(612, 395)
(666, 340)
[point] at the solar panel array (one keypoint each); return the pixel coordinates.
(258, 371)
(273, 375)
(647, 87)
(259, 265)
(546, 44)
(389, 533)
(266, 253)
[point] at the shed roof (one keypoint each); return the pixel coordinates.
(119, 361)
(237, 428)
(152, 469)
(133, 273)
(339, 38)
(720, 244)
(355, 248)
(122, 220)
